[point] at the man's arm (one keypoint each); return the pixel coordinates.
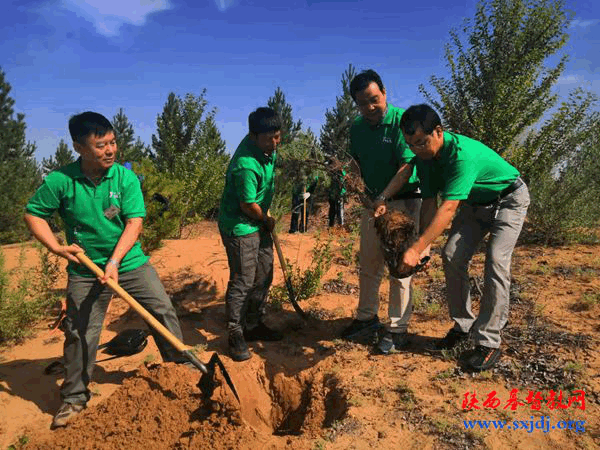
(255, 212)
(41, 231)
(435, 222)
(393, 187)
(130, 235)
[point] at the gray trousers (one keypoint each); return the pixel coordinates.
(503, 221)
(372, 265)
(87, 301)
(250, 259)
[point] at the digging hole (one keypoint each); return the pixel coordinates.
(307, 405)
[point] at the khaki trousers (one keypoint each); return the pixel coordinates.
(372, 269)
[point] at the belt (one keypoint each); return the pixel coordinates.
(504, 192)
(405, 195)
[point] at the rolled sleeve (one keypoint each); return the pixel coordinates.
(44, 202)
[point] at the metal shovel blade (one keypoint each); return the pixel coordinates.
(207, 383)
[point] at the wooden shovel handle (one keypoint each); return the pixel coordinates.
(149, 318)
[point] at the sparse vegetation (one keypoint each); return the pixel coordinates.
(26, 294)
(306, 283)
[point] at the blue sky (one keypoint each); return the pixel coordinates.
(62, 57)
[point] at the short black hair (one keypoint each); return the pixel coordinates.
(264, 120)
(419, 116)
(362, 81)
(87, 123)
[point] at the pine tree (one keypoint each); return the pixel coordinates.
(210, 136)
(178, 128)
(61, 157)
(335, 133)
(500, 84)
(279, 104)
(189, 147)
(19, 172)
(129, 148)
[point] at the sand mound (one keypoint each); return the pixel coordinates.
(162, 408)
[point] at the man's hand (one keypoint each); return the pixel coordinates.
(380, 208)
(269, 223)
(68, 252)
(411, 258)
(111, 270)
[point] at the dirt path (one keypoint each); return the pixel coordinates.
(313, 391)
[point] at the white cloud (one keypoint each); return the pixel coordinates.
(570, 79)
(109, 15)
(224, 5)
(582, 23)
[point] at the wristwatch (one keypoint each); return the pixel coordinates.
(114, 262)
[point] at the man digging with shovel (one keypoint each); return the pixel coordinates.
(102, 206)
(245, 228)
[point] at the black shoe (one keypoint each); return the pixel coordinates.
(262, 333)
(392, 342)
(451, 340)
(238, 349)
(481, 358)
(65, 413)
(358, 327)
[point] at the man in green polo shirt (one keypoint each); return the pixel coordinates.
(102, 207)
(245, 228)
(384, 161)
(493, 199)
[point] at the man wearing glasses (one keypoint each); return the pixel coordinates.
(493, 199)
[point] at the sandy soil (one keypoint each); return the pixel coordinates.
(312, 390)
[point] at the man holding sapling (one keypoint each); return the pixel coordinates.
(245, 228)
(493, 199)
(384, 161)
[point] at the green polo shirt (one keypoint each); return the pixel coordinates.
(84, 208)
(380, 151)
(465, 170)
(250, 178)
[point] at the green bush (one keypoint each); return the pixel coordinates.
(160, 223)
(33, 294)
(306, 283)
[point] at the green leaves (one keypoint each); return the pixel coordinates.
(501, 78)
(335, 133)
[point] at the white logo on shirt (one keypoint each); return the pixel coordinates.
(387, 140)
(114, 194)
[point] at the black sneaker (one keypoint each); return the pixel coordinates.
(238, 349)
(391, 342)
(451, 340)
(482, 358)
(65, 413)
(358, 327)
(262, 333)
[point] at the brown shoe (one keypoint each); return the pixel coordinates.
(65, 413)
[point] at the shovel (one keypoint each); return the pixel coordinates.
(286, 277)
(207, 382)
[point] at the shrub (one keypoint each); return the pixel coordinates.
(306, 283)
(33, 293)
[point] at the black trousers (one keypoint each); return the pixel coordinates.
(336, 211)
(250, 259)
